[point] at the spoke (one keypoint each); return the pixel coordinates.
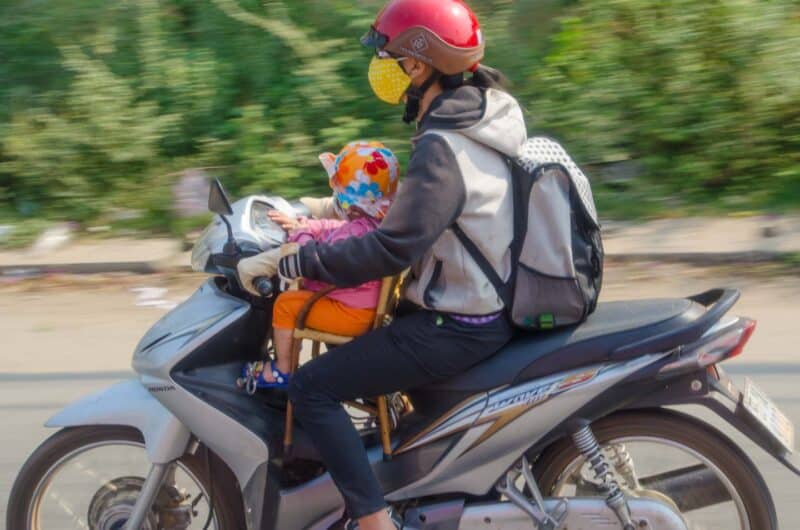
(197, 500)
(64, 505)
(91, 473)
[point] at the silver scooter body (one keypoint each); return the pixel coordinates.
(187, 363)
(167, 414)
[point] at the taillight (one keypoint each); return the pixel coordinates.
(749, 328)
(726, 345)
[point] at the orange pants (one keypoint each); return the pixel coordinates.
(328, 315)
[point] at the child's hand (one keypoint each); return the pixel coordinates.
(284, 221)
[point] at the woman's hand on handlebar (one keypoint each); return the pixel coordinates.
(289, 266)
(286, 222)
(264, 265)
(264, 286)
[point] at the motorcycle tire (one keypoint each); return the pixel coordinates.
(685, 430)
(227, 502)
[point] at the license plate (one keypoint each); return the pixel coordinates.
(756, 402)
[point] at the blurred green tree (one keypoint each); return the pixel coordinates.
(102, 137)
(706, 94)
(102, 104)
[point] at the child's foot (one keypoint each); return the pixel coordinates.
(260, 375)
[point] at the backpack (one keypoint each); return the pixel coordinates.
(557, 252)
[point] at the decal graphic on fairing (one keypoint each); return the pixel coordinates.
(507, 405)
(503, 407)
(457, 419)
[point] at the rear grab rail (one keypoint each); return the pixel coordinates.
(717, 303)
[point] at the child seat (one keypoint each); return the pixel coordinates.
(387, 301)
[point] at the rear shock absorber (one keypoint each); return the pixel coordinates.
(589, 447)
(623, 463)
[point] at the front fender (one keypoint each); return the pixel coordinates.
(129, 403)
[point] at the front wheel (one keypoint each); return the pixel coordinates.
(671, 457)
(90, 478)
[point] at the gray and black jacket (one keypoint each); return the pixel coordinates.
(458, 173)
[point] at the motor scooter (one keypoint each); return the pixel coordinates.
(567, 429)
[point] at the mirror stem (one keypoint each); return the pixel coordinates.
(231, 248)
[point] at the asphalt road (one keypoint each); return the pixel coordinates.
(25, 404)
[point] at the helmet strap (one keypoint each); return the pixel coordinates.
(414, 97)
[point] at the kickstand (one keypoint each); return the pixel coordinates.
(535, 508)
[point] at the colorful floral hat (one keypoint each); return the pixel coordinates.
(363, 175)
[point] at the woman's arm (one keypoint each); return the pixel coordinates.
(429, 201)
(321, 208)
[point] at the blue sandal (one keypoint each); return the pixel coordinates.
(253, 377)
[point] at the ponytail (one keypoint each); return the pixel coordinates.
(482, 77)
(488, 77)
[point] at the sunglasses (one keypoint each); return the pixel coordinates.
(378, 41)
(374, 39)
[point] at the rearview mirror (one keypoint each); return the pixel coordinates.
(218, 200)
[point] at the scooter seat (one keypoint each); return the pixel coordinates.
(529, 355)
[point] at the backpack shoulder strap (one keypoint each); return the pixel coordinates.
(475, 253)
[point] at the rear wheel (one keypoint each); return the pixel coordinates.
(90, 477)
(674, 458)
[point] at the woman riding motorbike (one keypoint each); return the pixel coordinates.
(457, 179)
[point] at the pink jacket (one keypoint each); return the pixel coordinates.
(365, 296)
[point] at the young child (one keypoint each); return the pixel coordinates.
(364, 178)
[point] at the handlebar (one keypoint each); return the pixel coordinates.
(264, 286)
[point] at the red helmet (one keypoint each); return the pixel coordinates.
(442, 33)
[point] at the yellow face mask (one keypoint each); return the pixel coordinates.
(388, 80)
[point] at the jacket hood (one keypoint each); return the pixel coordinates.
(487, 116)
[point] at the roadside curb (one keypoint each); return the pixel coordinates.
(136, 267)
(138, 256)
(702, 258)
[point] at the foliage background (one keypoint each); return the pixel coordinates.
(102, 104)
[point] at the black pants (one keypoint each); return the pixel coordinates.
(414, 350)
